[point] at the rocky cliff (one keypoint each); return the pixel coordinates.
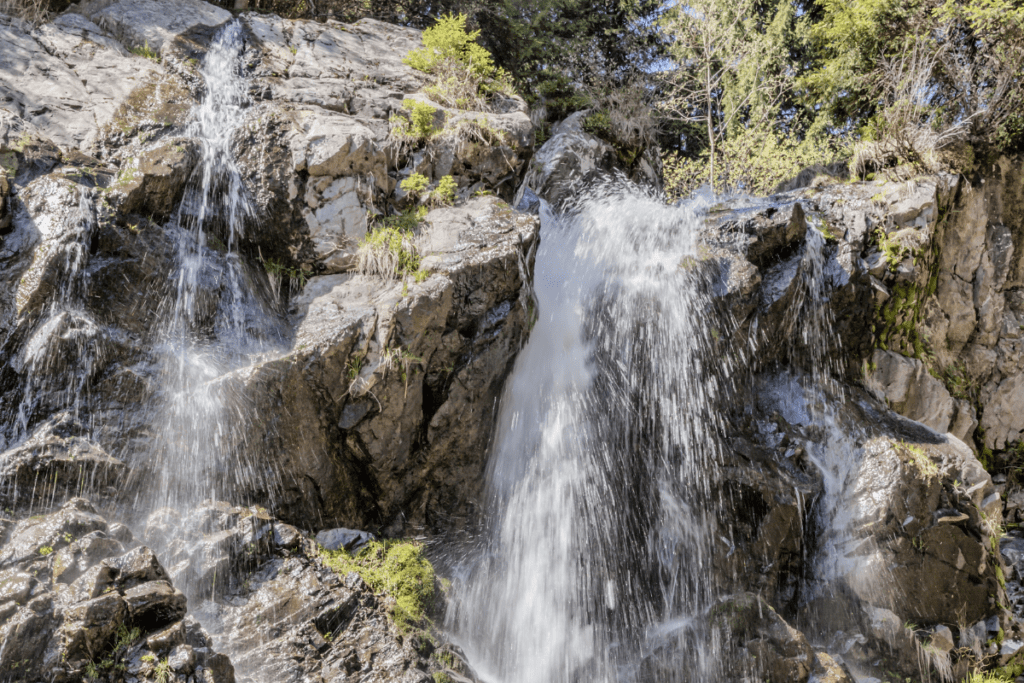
(874, 327)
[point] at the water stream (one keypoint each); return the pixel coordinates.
(602, 477)
(218, 321)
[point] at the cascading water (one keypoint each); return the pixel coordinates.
(603, 471)
(218, 321)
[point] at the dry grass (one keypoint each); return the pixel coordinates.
(34, 12)
(389, 251)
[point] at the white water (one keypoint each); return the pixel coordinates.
(602, 475)
(219, 321)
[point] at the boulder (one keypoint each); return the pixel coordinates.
(571, 157)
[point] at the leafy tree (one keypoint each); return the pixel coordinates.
(732, 73)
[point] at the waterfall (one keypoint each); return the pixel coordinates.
(602, 477)
(218, 321)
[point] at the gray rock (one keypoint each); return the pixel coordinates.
(349, 539)
(942, 638)
(154, 604)
(570, 156)
(905, 384)
(137, 566)
(50, 77)
(182, 659)
(138, 23)
(1003, 419)
(168, 639)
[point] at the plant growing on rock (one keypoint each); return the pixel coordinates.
(417, 124)
(389, 251)
(146, 51)
(445, 191)
(415, 185)
(394, 568)
(463, 70)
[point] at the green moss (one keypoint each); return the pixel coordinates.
(45, 550)
(8, 163)
(395, 568)
(1002, 580)
(442, 677)
(917, 457)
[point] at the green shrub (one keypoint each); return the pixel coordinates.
(397, 568)
(464, 72)
(416, 184)
(449, 40)
(417, 123)
(444, 193)
(422, 116)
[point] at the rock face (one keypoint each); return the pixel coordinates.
(889, 516)
(383, 410)
(75, 602)
(92, 205)
(884, 320)
(572, 157)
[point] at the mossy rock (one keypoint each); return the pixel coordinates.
(397, 569)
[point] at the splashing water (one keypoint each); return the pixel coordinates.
(218, 322)
(603, 469)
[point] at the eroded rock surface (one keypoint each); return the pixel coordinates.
(79, 598)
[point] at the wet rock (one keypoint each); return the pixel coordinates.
(154, 604)
(89, 626)
(182, 659)
(395, 359)
(55, 628)
(71, 562)
(138, 566)
(155, 182)
(349, 539)
(571, 156)
(167, 639)
(37, 537)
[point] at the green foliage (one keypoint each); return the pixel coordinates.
(276, 269)
(916, 455)
(449, 40)
(45, 550)
(441, 677)
(445, 191)
(1001, 675)
(753, 160)
(417, 123)
(389, 249)
(416, 184)
(395, 568)
(422, 116)
(162, 673)
(145, 51)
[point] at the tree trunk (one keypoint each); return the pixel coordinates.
(711, 128)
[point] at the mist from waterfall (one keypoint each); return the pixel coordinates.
(602, 477)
